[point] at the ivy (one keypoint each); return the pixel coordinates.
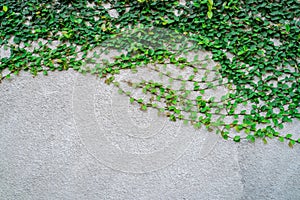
(254, 45)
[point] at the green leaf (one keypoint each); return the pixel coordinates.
(251, 138)
(225, 135)
(287, 28)
(237, 138)
(209, 14)
(172, 118)
(196, 4)
(144, 107)
(288, 136)
(5, 8)
(281, 139)
(131, 100)
(265, 141)
(275, 121)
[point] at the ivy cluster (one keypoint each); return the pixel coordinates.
(255, 44)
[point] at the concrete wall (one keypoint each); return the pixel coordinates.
(69, 136)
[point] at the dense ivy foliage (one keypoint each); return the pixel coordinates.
(263, 38)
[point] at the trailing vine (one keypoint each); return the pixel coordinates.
(254, 46)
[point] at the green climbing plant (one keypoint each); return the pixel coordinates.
(254, 48)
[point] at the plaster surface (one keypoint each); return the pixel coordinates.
(44, 154)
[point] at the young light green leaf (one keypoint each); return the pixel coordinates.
(209, 14)
(5, 8)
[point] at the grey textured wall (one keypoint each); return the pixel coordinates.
(55, 145)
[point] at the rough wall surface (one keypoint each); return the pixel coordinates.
(44, 154)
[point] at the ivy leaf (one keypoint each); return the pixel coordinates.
(265, 141)
(225, 135)
(237, 138)
(131, 100)
(209, 14)
(281, 139)
(251, 138)
(143, 107)
(172, 118)
(250, 69)
(287, 28)
(288, 136)
(5, 8)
